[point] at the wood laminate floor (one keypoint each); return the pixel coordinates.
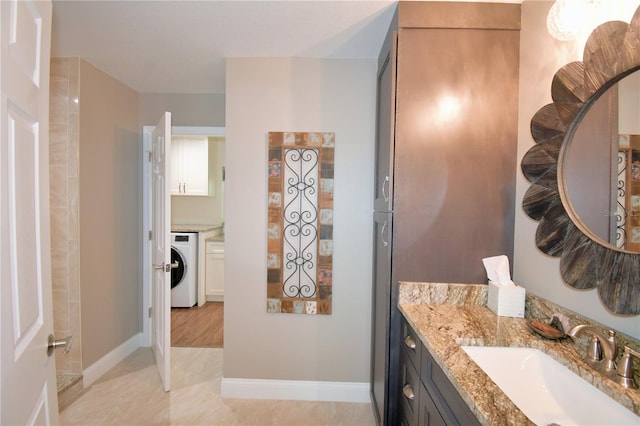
(198, 327)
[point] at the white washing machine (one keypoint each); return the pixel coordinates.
(184, 278)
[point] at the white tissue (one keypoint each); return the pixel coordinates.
(497, 268)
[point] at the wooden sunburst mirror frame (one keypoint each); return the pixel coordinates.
(611, 53)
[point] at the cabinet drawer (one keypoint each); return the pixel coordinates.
(214, 247)
(428, 414)
(408, 392)
(411, 344)
(450, 404)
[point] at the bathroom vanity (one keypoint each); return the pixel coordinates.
(427, 396)
(445, 386)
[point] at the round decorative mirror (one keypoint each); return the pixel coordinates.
(561, 168)
(599, 167)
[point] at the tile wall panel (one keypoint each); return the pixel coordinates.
(64, 190)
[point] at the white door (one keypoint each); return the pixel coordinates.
(28, 387)
(174, 173)
(161, 248)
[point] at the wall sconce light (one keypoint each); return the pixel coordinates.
(568, 18)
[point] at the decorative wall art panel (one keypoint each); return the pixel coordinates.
(300, 223)
(627, 212)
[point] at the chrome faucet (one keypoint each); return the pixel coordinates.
(600, 343)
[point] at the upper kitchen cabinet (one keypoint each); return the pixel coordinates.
(190, 165)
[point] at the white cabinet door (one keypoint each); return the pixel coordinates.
(215, 271)
(195, 166)
(190, 172)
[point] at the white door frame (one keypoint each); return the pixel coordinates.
(146, 213)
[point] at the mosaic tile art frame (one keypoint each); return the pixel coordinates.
(300, 222)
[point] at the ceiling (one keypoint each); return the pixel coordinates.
(181, 46)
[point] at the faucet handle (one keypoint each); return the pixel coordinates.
(611, 337)
(610, 360)
(594, 351)
(624, 369)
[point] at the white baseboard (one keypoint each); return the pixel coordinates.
(295, 390)
(216, 296)
(110, 360)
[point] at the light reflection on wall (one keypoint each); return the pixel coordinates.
(439, 114)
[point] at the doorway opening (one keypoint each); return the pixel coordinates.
(201, 216)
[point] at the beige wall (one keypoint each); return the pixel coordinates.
(186, 109)
(298, 95)
(629, 105)
(537, 272)
(110, 213)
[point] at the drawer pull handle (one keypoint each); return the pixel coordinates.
(385, 184)
(410, 343)
(407, 391)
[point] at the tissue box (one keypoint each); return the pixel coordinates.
(506, 301)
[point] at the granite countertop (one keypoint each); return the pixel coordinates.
(195, 228)
(447, 316)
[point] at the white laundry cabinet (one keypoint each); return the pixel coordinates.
(214, 270)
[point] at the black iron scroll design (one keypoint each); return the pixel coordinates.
(300, 217)
(621, 213)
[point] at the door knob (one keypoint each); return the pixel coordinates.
(52, 344)
(166, 267)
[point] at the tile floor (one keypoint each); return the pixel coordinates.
(131, 394)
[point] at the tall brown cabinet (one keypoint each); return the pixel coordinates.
(445, 160)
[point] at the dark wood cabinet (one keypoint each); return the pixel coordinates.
(446, 140)
(384, 295)
(450, 406)
(427, 397)
(385, 122)
(409, 391)
(428, 412)
(381, 308)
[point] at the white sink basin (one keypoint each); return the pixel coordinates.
(546, 391)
